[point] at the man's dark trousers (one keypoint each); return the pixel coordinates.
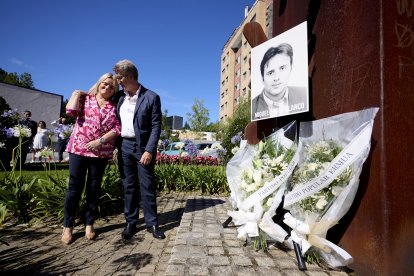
(134, 170)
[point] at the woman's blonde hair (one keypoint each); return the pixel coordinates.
(94, 89)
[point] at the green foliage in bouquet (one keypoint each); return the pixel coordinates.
(318, 157)
(269, 162)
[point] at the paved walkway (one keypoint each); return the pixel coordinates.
(195, 244)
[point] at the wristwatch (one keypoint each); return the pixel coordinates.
(102, 140)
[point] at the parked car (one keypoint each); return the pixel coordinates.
(204, 148)
(172, 149)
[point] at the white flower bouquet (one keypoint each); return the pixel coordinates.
(46, 153)
(323, 186)
(257, 177)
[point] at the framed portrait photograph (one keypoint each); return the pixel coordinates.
(279, 75)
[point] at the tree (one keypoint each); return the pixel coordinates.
(164, 125)
(186, 125)
(199, 118)
(25, 80)
(235, 124)
(3, 75)
(12, 78)
(213, 127)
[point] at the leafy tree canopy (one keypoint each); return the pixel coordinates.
(198, 119)
(23, 80)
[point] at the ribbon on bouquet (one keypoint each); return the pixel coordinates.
(344, 159)
(308, 235)
(270, 187)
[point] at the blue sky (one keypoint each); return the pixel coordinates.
(67, 45)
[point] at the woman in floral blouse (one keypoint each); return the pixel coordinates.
(90, 147)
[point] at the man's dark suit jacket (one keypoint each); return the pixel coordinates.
(147, 119)
(297, 101)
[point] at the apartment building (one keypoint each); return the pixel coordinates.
(175, 122)
(235, 65)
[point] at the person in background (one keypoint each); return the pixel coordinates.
(62, 133)
(41, 140)
(90, 147)
(32, 125)
(139, 111)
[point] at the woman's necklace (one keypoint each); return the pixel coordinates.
(101, 101)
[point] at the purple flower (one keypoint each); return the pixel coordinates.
(9, 132)
(191, 149)
(9, 113)
(236, 139)
(221, 152)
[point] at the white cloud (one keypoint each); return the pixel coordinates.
(18, 62)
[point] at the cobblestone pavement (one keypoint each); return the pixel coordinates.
(195, 244)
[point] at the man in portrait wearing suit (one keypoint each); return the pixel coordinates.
(277, 98)
(139, 111)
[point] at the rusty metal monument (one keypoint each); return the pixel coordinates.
(361, 54)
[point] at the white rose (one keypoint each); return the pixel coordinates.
(269, 202)
(336, 191)
(257, 176)
(312, 166)
(321, 203)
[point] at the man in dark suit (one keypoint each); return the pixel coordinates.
(277, 98)
(28, 141)
(139, 111)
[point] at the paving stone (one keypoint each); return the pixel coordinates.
(221, 271)
(215, 251)
(218, 260)
(241, 260)
(196, 244)
(264, 261)
(175, 270)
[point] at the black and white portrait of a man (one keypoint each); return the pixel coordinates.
(280, 76)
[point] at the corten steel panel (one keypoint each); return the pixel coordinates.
(362, 55)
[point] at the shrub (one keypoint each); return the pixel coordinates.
(235, 124)
(189, 178)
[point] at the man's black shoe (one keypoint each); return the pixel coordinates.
(129, 231)
(155, 232)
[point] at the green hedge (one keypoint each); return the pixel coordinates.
(39, 192)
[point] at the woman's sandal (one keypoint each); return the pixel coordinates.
(89, 232)
(67, 239)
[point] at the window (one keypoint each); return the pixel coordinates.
(238, 73)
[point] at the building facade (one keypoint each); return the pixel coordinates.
(235, 59)
(44, 106)
(175, 122)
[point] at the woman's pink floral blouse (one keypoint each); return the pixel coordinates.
(92, 123)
